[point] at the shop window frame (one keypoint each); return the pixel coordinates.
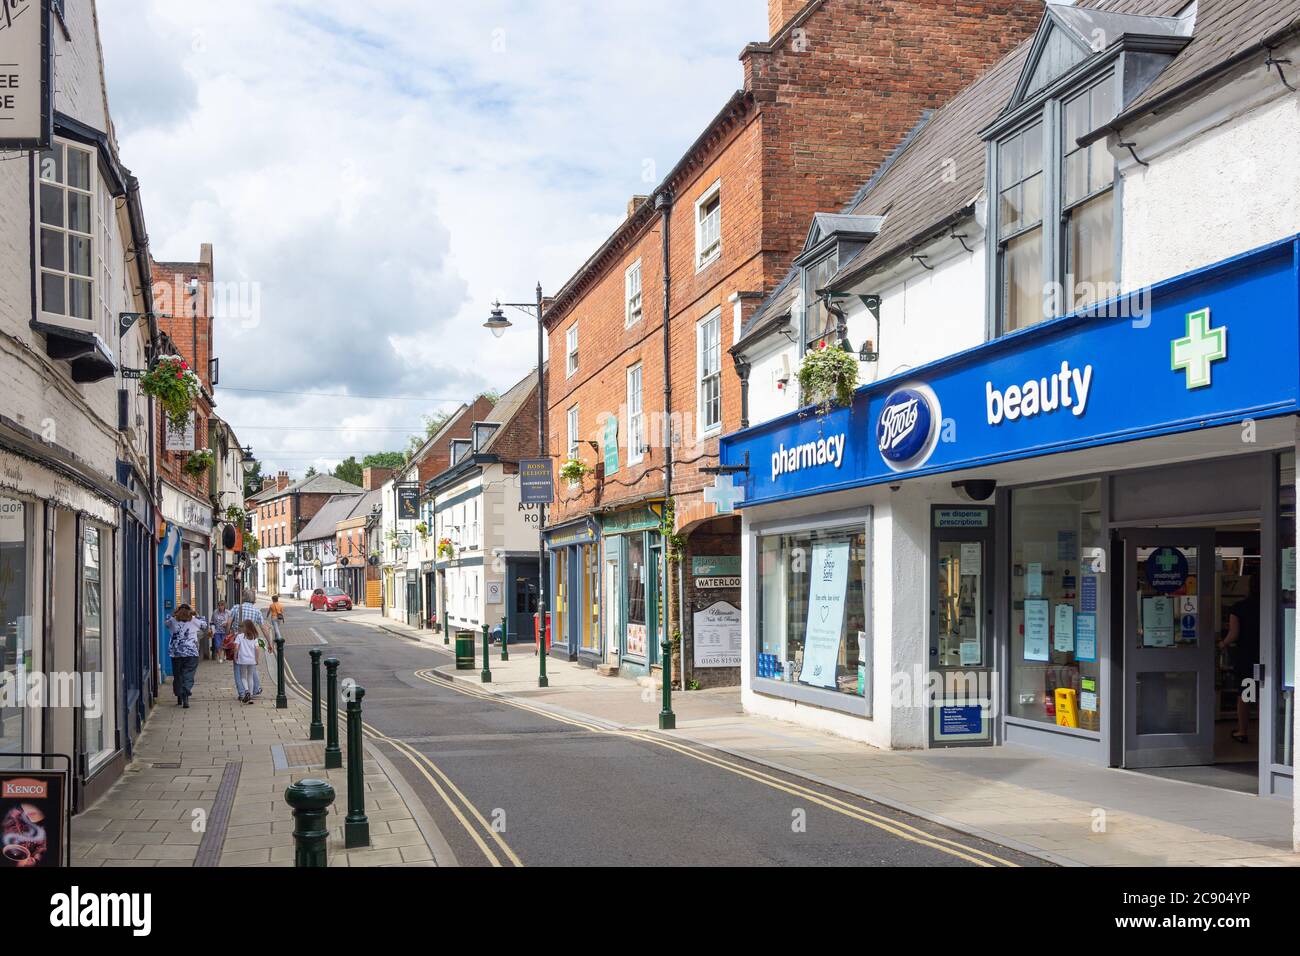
(851, 704)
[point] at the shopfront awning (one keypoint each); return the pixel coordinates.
(1215, 346)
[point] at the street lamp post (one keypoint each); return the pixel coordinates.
(497, 323)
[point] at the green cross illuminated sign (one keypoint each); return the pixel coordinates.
(1168, 560)
(1201, 346)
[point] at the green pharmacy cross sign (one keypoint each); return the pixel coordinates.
(1201, 346)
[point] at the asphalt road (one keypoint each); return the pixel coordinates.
(507, 786)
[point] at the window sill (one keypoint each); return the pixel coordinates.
(850, 704)
(88, 358)
(710, 259)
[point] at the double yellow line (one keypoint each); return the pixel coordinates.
(460, 806)
(898, 828)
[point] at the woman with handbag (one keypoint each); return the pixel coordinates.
(184, 650)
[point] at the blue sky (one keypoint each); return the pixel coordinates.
(381, 172)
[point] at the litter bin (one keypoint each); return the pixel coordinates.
(464, 650)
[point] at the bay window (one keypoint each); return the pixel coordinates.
(1020, 227)
(819, 323)
(67, 205)
(1088, 203)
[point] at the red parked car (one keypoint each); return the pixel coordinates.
(330, 599)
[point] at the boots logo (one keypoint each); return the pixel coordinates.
(907, 430)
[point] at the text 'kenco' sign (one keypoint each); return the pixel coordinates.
(26, 75)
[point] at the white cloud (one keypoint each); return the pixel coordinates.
(382, 171)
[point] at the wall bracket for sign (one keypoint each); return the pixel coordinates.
(727, 469)
(65, 809)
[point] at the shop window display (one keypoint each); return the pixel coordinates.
(16, 638)
(1055, 627)
(812, 626)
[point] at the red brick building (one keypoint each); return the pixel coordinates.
(837, 86)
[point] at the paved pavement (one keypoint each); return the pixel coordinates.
(507, 785)
(169, 808)
(1057, 810)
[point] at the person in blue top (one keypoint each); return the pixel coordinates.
(184, 650)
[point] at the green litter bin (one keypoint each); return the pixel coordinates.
(464, 650)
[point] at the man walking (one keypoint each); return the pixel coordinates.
(247, 610)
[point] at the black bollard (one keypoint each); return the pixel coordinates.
(317, 728)
(356, 828)
(333, 755)
(505, 638)
(311, 801)
(281, 700)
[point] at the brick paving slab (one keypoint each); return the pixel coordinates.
(180, 766)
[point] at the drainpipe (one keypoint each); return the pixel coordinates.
(664, 205)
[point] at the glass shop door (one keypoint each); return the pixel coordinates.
(961, 628)
(1169, 650)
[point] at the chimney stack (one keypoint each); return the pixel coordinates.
(372, 478)
(282, 481)
(780, 12)
(634, 203)
(267, 482)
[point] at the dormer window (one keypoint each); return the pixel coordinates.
(1050, 173)
(819, 323)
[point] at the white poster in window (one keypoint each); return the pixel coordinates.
(829, 574)
(1037, 631)
(1288, 569)
(1034, 580)
(1288, 647)
(972, 553)
(717, 635)
(1065, 627)
(1157, 621)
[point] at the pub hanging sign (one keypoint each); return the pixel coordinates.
(26, 75)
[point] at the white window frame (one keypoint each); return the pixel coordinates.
(571, 422)
(93, 321)
(704, 375)
(571, 351)
(635, 415)
(707, 250)
(632, 295)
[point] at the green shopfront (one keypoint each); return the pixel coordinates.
(632, 573)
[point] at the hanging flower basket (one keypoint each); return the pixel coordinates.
(446, 549)
(236, 515)
(423, 529)
(173, 383)
(827, 377)
(574, 470)
(198, 462)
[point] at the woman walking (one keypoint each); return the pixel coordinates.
(220, 625)
(184, 650)
(247, 657)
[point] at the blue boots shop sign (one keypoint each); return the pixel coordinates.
(1156, 363)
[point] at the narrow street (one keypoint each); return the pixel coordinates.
(562, 792)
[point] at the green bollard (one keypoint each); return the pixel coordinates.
(317, 728)
(505, 638)
(333, 755)
(311, 801)
(281, 701)
(356, 828)
(486, 676)
(667, 719)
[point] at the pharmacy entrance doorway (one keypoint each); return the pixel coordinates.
(1191, 637)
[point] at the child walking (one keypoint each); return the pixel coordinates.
(247, 656)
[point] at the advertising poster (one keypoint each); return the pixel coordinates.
(1034, 580)
(636, 639)
(1288, 647)
(972, 553)
(1157, 621)
(1085, 638)
(1065, 627)
(1036, 631)
(830, 577)
(33, 808)
(717, 636)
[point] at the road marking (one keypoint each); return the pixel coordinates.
(318, 637)
(897, 827)
(416, 758)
